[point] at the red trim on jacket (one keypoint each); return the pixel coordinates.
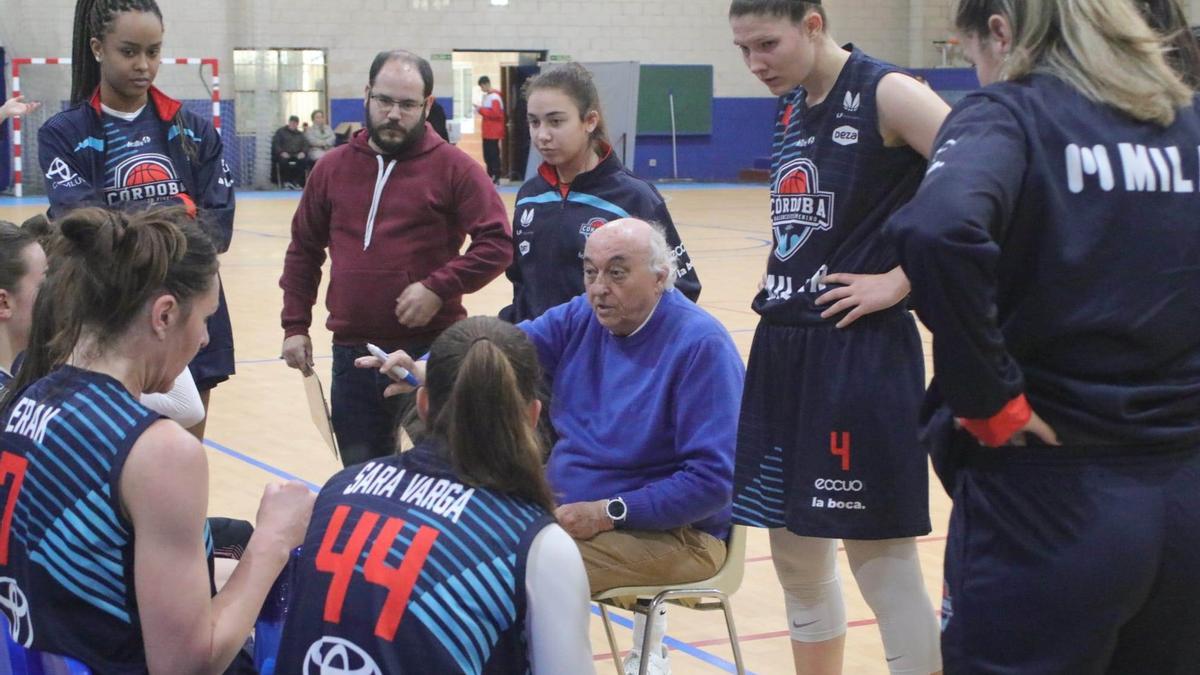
(550, 174)
(999, 428)
(164, 105)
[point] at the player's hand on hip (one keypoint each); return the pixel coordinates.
(397, 358)
(584, 520)
(863, 294)
(297, 352)
(417, 305)
(283, 515)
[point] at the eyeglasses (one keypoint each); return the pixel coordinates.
(387, 103)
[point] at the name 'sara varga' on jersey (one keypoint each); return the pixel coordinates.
(443, 497)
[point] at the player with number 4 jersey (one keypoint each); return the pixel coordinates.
(827, 443)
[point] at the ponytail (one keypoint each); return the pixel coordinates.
(85, 69)
(482, 376)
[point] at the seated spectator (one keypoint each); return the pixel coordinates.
(646, 391)
(320, 137)
(289, 154)
(467, 509)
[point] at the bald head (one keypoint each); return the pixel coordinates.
(626, 268)
(632, 233)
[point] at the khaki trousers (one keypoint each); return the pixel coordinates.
(645, 558)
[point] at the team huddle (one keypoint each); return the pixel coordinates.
(603, 432)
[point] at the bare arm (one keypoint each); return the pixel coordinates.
(164, 490)
(909, 113)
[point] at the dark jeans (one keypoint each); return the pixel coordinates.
(292, 170)
(364, 422)
(491, 157)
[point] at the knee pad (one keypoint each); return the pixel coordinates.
(888, 573)
(812, 591)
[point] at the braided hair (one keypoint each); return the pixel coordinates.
(95, 19)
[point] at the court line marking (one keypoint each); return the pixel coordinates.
(258, 464)
(679, 645)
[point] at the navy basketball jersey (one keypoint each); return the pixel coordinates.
(5, 378)
(66, 549)
(833, 185)
(137, 165)
(405, 569)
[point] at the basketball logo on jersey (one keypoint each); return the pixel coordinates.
(525, 247)
(851, 101)
(144, 177)
(591, 226)
(335, 656)
(798, 207)
(527, 218)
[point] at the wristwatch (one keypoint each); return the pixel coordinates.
(616, 510)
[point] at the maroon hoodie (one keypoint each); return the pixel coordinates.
(389, 221)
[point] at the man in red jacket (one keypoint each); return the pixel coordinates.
(492, 111)
(393, 206)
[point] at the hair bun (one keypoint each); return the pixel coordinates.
(92, 231)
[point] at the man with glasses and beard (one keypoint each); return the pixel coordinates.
(393, 207)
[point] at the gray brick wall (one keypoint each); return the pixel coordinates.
(662, 31)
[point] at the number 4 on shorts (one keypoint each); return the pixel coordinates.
(840, 449)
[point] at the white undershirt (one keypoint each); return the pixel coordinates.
(181, 404)
(558, 613)
(127, 116)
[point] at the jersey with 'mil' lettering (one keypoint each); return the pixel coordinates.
(1054, 252)
(833, 184)
(405, 569)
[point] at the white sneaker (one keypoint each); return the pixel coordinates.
(660, 664)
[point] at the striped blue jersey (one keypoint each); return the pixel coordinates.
(406, 569)
(69, 547)
(833, 185)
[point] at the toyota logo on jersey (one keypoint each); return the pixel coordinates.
(798, 207)
(336, 656)
(148, 177)
(14, 607)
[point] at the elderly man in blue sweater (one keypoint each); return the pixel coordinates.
(646, 389)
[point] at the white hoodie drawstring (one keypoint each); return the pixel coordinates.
(380, 180)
